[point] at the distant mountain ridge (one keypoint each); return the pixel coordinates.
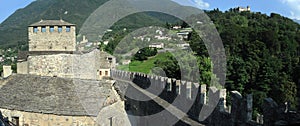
(297, 21)
(14, 29)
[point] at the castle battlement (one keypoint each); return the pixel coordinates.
(52, 35)
(209, 101)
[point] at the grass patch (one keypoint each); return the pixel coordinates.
(143, 66)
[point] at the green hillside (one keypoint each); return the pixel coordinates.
(14, 29)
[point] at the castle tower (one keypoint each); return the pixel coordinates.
(52, 36)
(248, 8)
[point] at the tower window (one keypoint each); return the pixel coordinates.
(59, 29)
(43, 28)
(51, 29)
(106, 73)
(68, 29)
(35, 29)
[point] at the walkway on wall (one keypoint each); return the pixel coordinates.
(167, 106)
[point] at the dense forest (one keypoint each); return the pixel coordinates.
(262, 54)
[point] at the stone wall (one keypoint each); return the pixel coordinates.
(82, 66)
(209, 101)
(52, 41)
(40, 119)
(52, 65)
(113, 114)
(104, 73)
(22, 67)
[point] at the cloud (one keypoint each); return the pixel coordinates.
(201, 4)
(294, 8)
(195, 3)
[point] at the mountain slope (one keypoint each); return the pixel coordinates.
(14, 29)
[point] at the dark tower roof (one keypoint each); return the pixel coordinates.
(51, 23)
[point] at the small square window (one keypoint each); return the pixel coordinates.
(51, 29)
(44, 29)
(59, 29)
(68, 29)
(35, 29)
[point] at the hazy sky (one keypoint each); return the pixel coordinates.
(288, 8)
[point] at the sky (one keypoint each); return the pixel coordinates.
(288, 8)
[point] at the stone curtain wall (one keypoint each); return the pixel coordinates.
(188, 93)
(85, 66)
(52, 41)
(41, 119)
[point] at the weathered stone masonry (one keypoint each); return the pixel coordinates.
(52, 35)
(188, 93)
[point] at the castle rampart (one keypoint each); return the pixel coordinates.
(202, 100)
(52, 35)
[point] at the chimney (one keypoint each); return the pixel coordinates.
(7, 71)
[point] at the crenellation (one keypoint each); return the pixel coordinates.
(249, 104)
(195, 90)
(157, 82)
(173, 87)
(41, 38)
(169, 84)
(188, 90)
(183, 89)
(163, 82)
(202, 98)
(178, 87)
(213, 96)
(222, 93)
(203, 94)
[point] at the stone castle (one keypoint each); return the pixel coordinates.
(58, 85)
(52, 52)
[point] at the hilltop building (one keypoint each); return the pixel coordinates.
(157, 45)
(56, 84)
(242, 9)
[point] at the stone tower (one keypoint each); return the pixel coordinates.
(52, 36)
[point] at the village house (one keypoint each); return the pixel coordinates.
(157, 45)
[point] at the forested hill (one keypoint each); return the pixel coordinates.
(14, 29)
(262, 54)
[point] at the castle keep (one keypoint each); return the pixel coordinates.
(52, 35)
(52, 52)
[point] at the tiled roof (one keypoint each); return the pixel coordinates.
(53, 95)
(52, 23)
